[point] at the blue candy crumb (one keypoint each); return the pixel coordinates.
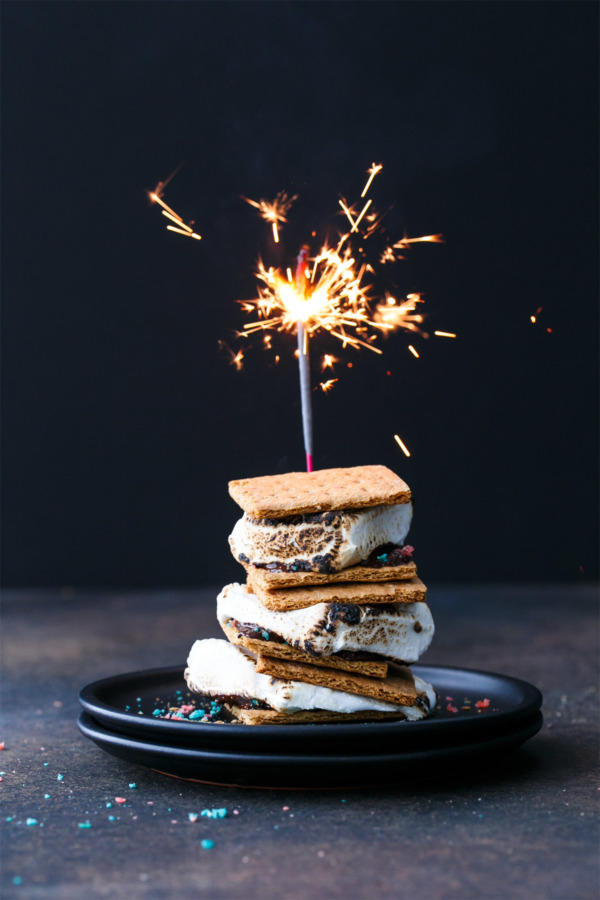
(214, 813)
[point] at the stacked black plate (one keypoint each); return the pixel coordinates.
(117, 716)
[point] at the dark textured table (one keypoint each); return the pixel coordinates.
(525, 828)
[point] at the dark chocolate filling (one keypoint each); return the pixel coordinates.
(385, 555)
(321, 518)
(260, 634)
(255, 632)
(242, 702)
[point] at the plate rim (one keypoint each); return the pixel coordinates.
(88, 725)
(105, 713)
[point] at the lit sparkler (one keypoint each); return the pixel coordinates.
(274, 211)
(329, 292)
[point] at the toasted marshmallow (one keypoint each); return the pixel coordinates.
(217, 668)
(397, 631)
(320, 542)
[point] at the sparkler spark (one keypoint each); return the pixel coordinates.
(235, 359)
(402, 445)
(533, 319)
(328, 361)
(372, 172)
(274, 211)
(390, 314)
(327, 385)
(391, 254)
(180, 227)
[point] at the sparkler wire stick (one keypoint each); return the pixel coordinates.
(304, 364)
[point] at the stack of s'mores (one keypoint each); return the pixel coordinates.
(332, 613)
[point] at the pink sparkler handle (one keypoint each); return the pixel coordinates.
(304, 363)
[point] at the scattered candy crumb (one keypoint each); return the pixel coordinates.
(214, 813)
(206, 844)
(59, 777)
(86, 824)
(120, 800)
(483, 704)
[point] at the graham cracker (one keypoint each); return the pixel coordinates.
(374, 668)
(282, 599)
(296, 493)
(306, 716)
(398, 687)
(268, 579)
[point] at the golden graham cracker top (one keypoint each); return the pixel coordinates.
(297, 493)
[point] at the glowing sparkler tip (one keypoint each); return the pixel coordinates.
(402, 445)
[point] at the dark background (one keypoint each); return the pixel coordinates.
(123, 421)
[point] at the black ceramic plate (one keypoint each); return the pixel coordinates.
(290, 770)
(124, 704)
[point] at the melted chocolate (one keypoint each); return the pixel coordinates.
(390, 555)
(385, 555)
(242, 702)
(258, 634)
(327, 519)
(253, 631)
